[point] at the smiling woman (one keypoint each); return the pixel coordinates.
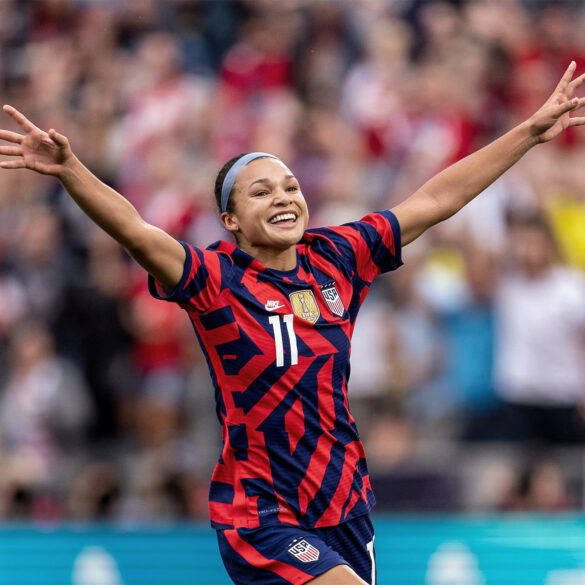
(261, 203)
(274, 314)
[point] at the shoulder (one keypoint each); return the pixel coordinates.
(219, 254)
(382, 219)
(381, 223)
(224, 250)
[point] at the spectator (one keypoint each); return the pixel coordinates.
(44, 403)
(540, 487)
(540, 339)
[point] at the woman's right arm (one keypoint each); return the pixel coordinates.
(49, 153)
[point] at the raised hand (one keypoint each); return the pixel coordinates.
(40, 151)
(554, 116)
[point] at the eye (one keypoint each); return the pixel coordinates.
(292, 188)
(260, 193)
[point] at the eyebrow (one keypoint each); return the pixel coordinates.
(266, 180)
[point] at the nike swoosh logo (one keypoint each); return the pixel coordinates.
(273, 305)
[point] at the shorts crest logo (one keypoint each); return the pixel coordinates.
(304, 551)
(304, 305)
(333, 299)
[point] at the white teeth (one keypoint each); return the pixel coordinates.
(283, 217)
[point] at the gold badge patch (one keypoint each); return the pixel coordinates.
(304, 305)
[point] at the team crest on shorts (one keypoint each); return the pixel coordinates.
(333, 299)
(304, 305)
(304, 551)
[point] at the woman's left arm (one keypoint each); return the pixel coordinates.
(448, 191)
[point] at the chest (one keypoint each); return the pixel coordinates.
(546, 306)
(278, 325)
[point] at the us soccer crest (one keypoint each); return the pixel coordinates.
(304, 305)
(333, 299)
(304, 551)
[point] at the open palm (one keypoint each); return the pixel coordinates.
(44, 152)
(554, 116)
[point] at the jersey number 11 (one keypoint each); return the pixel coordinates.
(274, 320)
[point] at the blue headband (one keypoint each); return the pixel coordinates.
(232, 175)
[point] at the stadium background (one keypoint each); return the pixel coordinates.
(107, 423)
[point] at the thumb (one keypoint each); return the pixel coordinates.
(58, 138)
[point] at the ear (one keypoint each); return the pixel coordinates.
(229, 222)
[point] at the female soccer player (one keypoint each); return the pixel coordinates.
(290, 495)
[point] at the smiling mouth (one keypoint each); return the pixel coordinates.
(283, 218)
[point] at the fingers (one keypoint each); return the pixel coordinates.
(11, 150)
(573, 104)
(576, 82)
(13, 164)
(568, 74)
(58, 138)
(566, 78)
(20, 118)
(580, 121)
(11, 136)
(559, 109)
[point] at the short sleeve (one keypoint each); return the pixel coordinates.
(200, 282)
(369, 247)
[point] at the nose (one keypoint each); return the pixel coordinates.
(281, 197)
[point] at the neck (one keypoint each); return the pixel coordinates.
(285, 259)
(535, 271)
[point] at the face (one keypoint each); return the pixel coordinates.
(270, 213)
(532, 250)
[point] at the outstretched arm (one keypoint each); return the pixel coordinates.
(447, 192)
(49, 153)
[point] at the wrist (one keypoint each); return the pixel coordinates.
(529, 134)
(69, 169)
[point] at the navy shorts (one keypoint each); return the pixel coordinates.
(282, 554)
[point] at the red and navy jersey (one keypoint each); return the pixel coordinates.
(277, 344)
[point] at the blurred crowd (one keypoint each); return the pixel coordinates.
(468, 364)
